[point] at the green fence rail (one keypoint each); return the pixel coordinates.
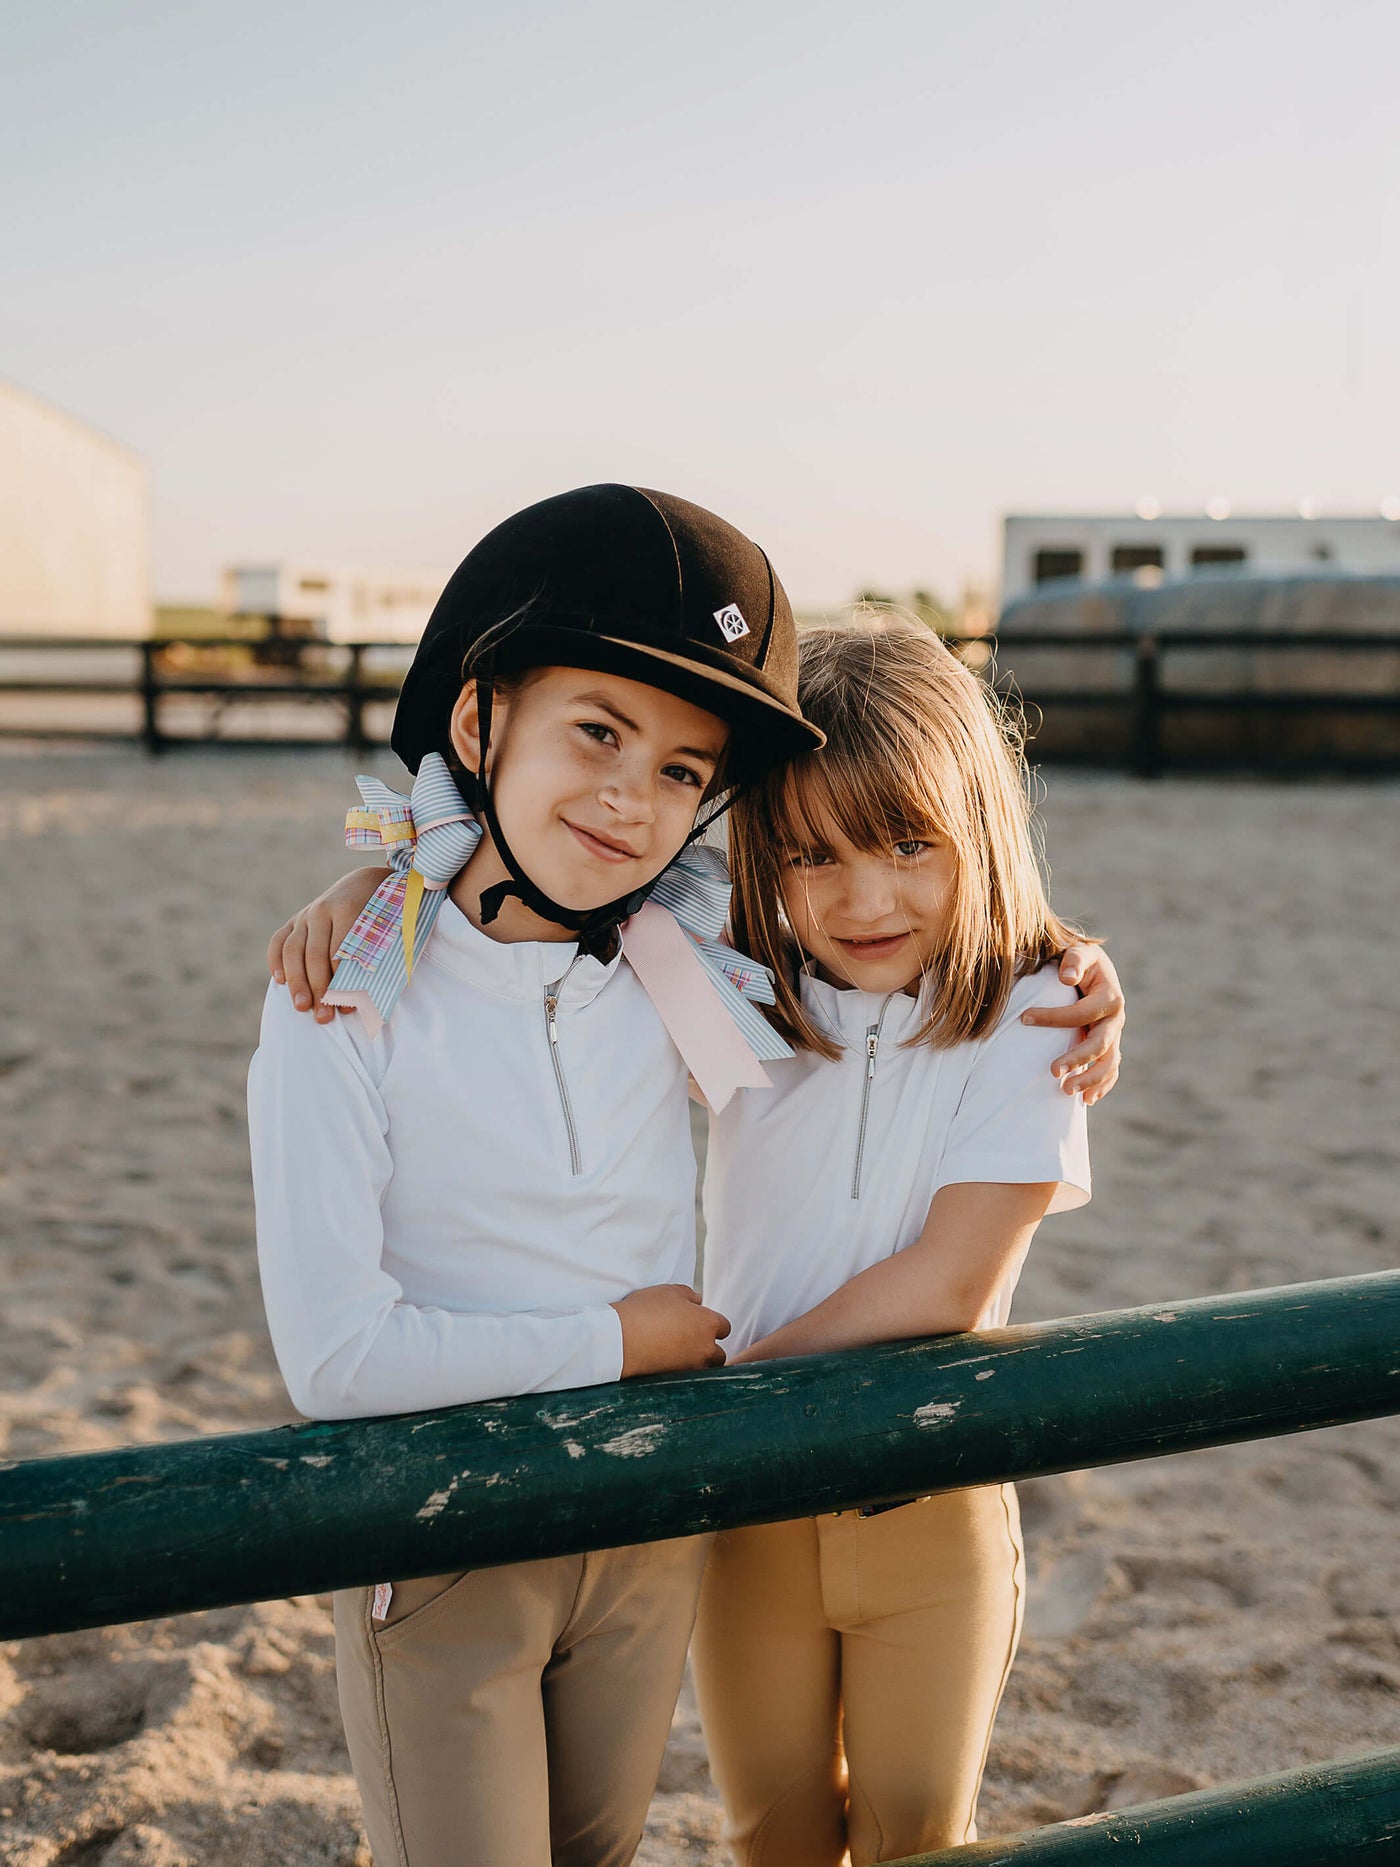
(96, 1538)
(1334, 1812)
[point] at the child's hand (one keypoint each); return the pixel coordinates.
(1090, 1067)
(666, 1327)
(301, 954)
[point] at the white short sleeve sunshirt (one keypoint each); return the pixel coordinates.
(835, 1167)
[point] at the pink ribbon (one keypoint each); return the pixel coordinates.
(660, 952)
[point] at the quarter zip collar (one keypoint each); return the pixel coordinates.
(848, 1014)
(520, 970)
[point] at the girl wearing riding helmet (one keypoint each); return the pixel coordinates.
(484, 1185)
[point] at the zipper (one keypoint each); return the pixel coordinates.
(872, 1050)
(551, 1025)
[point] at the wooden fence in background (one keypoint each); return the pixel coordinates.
(1146, 703)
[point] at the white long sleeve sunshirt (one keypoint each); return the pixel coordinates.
(446, 1212)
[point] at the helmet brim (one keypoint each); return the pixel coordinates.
(765, 731)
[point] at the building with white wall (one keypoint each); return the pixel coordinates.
(1040, 549)
(334, 603)
(75, 527)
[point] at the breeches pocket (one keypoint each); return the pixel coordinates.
(958, 1547)
(413, 1605)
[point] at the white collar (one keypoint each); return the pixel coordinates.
(520, 969)
(848, 1014)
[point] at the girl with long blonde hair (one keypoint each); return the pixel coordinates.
(888, 1185)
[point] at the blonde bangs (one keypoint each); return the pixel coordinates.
(917, 746)
(875, 793)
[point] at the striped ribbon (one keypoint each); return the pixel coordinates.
(428, 838)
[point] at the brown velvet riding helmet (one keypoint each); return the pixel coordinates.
(624, 581)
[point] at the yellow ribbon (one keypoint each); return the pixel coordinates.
(388, 831)
(413, 896)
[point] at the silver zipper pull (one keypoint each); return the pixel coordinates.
(872, 1044)
(556, 1056)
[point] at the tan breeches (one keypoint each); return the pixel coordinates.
(516, 1717)
(849, 1670)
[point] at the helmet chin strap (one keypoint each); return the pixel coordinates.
(594, 927)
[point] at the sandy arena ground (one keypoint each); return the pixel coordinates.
(1193, 1620)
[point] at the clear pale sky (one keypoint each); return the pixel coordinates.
(358, 279)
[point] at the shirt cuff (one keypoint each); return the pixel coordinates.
(605, 1344)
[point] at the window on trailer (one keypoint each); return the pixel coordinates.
(1124, 559)
(1051, 566)
(1217, 557)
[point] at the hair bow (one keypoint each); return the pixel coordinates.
(673, 943)
(427, 838)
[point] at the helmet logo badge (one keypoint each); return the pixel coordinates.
(731, 622)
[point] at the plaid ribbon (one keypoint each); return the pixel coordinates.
(429, 837)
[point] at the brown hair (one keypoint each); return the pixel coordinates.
(916, 745)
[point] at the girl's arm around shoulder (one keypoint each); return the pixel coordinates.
(1095, 1012)
(301, 954)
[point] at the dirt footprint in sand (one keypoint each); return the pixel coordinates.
(1175, 1588)
(138, 1846)
(74, 1718)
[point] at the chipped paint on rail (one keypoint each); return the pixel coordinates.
(439, 1500)
(936, 1412)
(639, 1443)
(566, 1419)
